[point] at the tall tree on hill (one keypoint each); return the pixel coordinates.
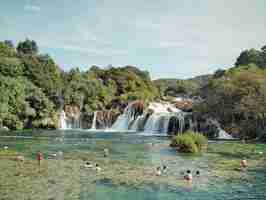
(27, 47)
(254, 56)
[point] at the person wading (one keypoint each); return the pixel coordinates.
(39, 158)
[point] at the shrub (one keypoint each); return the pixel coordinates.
(190, 142)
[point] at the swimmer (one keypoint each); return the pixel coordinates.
(88, 165)
(20, 158)
(243, 164)
(39, 158)
(164, 169)
(158, 171)
(60, 154)
(197, 173)
(106, 152)
(97, 168)
(188, 176)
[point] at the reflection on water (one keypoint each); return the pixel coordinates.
(127, 172)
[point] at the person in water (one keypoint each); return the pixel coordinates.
(188, 176)
(198, 173)
(158, 171)
(106, 152)
(98, 168)
(39, 157)
(243, 164)
(88, 165)
(60, 155)
(164, 169)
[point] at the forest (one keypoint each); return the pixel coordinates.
(34, 88)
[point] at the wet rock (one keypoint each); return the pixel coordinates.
(105, 118)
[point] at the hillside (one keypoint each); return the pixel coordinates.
(176, 87)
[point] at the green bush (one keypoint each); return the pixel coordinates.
(190, 142)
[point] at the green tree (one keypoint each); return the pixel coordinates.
(27, 47)
(250, 56)
(6, 50)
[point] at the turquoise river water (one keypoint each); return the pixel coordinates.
(128, 172)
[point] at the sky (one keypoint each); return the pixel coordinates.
(169, 38)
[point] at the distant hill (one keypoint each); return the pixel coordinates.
(176, 87)
(201, 80)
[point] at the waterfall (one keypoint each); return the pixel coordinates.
(155, 120)
(181, 120)
(62, 120)
(73, 122)
(157, 123)
(223, 135)
(138, 124)
(124, 121)
(94, 120)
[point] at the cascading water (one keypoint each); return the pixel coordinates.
(221, 134)
(72, 122)
(158, 122)
(123, 121)
(62, 120)
(93, 126)
(154, 121)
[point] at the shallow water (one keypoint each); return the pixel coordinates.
(128, 172)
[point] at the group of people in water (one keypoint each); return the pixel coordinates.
(91, 166)
(159, 170)
(188, 176)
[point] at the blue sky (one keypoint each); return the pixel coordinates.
(169, 38)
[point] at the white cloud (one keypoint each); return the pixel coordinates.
(33, 8)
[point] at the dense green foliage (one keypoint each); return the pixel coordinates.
(238, 100)
(254, 56)
(99, 89)
(190, 142)
(27, 47)
(237, 97)
(33, 88)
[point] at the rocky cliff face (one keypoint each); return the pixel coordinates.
(72, 111)
(105, 118)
